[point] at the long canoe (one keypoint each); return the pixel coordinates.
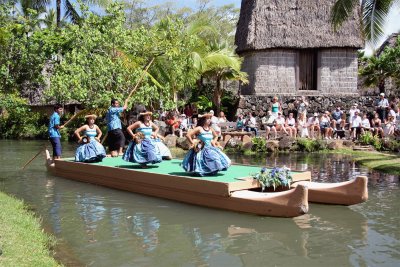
(231, 190)
(344, 193)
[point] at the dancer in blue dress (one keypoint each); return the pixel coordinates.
(142, 149)
(164, 150)
(90, 149)
(204, 158)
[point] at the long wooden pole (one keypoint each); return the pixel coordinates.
(133, 90)
(73, 117)
(140, 79)
(29, 161)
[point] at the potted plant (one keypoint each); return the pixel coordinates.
(276, 177)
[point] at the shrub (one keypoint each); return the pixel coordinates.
(306, 145)
(259, 144)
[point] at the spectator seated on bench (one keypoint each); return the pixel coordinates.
(250, 124)
(240, 123)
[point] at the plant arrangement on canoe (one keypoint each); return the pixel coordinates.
(275, 177)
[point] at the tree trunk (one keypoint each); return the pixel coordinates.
(217, 95)
(381, 86)
(58, 7)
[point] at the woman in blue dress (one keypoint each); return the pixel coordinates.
(142, 149)
(90, 148)
(164, 150)
(204, 158)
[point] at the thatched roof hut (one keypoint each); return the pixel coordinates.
(297, 24)
(290, 45)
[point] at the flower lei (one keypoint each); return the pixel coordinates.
(274, 177)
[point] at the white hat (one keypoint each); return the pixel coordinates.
(211, 111)
(382, 94)
(183, 115)
(315, 114)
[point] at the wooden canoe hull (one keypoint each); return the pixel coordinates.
(344, 193)
(291, 203)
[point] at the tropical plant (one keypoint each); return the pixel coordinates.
(373, 15)
(376, 69)
(218, 65)
(259, 144)
(71, 12)
(273, 178)
(307, 145)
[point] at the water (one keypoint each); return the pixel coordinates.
(97, 226)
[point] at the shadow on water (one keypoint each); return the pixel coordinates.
(98, 226)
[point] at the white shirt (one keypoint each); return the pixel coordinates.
(392, 113)
(280, 121)
(313, 121)
(353, 112)
(291, 122)
(356, 121)
(252, 122)
(365, 123)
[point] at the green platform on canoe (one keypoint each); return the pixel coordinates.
(173, 167)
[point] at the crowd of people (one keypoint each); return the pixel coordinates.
(384, 121)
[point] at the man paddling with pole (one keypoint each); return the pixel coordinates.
(116, 138)
(54, 131)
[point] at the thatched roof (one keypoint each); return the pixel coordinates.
(293, 24)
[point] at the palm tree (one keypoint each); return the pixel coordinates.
(215, 59)
(373, 15)
(222, 64)
(70, 11)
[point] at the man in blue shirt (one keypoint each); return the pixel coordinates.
(116, 138)
(54, 131)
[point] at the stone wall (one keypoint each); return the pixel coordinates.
(261, 104)
(270, 72)
(338, 71)
(273, 71)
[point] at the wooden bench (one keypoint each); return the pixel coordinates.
(228, 135)
(227, 126)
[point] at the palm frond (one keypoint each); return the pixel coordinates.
(341, 11)
(70, 12)
(374, 15)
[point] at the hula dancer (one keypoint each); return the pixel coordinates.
(116, 138)
(204, 158)
(164, 150)
(54, 131)
(142, 148)
(90, 149)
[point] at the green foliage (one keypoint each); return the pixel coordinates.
(307, 145)
(259, 144)
(391, 145)
(17, 120)
(369, 139)
(373, 15)
(376, 69)
(203, 103)
(274, 178)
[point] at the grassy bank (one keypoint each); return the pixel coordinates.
(22, 242)
(384, 162)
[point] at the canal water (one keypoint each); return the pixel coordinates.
(97, 226)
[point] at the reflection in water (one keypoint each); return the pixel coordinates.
(105, 227)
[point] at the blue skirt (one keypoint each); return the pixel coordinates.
(207, 161)
(90, 152)
(143, 153)
(164, 150)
